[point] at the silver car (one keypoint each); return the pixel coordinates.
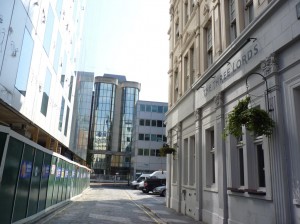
(161, 190)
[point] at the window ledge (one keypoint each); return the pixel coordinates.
(236, 190)
(255, 192)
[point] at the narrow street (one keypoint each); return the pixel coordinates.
(115, 204)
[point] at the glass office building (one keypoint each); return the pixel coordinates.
(111, 124)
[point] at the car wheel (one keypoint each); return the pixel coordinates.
(145, 191)
(163, 194)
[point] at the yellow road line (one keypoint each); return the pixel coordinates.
(150, 214)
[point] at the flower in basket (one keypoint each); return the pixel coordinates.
(166, 149)
(256, 120)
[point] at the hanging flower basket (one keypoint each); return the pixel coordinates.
(166, 149)
(256, 120)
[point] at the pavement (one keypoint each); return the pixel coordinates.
(115, 196)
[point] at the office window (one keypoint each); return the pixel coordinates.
(159, 123)
(142, 107)
(70, 88)
(165, 109)
(140, 152)
(159, 138)
(164, 138)
(153, 123)
(147, 137)
(152, 152)
(141, 137)
(57, 52)
(232, 17)
(153, 138)
(147, 123)
(146, 152)
(61, 115)
(142, 122)
(154, 108)
(148, 108)
(157, 153)
(24, 63)
(67, 121)
(49, 30)
(160, 109)
(46, 93)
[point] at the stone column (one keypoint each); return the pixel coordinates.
(277, 149)
(179, 165)
(198, 162)
(221, 158)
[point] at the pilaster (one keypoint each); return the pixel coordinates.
(199, 166)
(221, 158)
(277, 149)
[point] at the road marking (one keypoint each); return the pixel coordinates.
(146, 210)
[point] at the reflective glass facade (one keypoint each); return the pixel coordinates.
(112, 123)
(82, 112)
(103, 115)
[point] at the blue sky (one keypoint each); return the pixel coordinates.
(129, 37)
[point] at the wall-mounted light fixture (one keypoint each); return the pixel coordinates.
(267, 88)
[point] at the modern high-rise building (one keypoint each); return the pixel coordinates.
(222, 52)
(112, 121)
(149, 136)
(39, 46)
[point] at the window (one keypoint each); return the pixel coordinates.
(176, 90)
(249, 11)
(142, 122)
(241, 165)
(153, 123)
(67, 121)
(160, 109)
(210, 158)
(147, 123)
(147, 137)
(185, 162)
(141, 137)
(159, 123)
(49, 30)
(61, 115)
(154, 108)
(159, 138)
(186, 12)
(191, 65)
(70, 88)
(46, 93)
(186, 70)
(260, 166)
(140, 152)
(57, 52)
(176, 31)
(232, 17)
(152, 152)
(142, 107)
(192, 159)
(209, 45)
(153, 138)
(24, 63)
(146, 152)
(165, 109)
(148, 108)
(157, 153)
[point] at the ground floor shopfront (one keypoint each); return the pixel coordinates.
(253, 179)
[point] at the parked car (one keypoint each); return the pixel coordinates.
(150, 184)
(135, 183)
(161, 190)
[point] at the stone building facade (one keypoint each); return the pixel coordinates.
(222, 51)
